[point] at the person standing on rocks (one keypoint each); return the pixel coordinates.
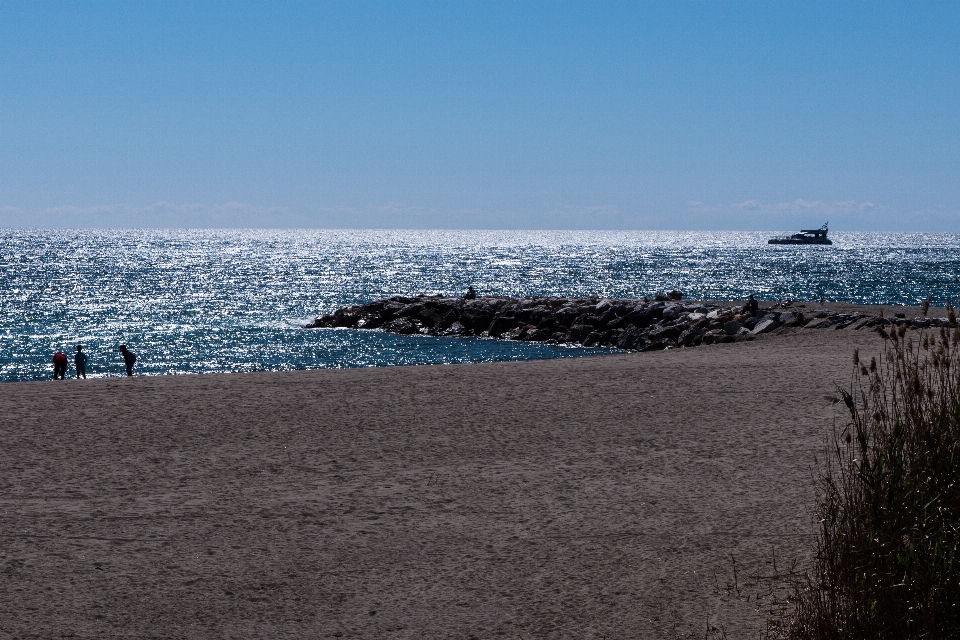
(751, 307)
(129, 357)
(59, 365)
(470, 294)
(80, 362)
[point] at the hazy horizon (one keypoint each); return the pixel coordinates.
(544, 234)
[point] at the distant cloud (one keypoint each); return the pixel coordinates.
(755, 214)
(156, 214)
(822, 206)
(70, 210)
(396, 215)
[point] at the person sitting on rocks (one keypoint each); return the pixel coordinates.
(470, 294)
(751, 307)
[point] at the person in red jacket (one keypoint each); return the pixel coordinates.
(59, 365)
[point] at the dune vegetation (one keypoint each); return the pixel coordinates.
(888, 505)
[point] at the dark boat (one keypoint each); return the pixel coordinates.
(806, 236)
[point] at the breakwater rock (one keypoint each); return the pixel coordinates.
(630, 324)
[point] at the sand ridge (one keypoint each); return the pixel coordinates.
(599, 497)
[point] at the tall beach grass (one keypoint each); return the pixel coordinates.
(887, 562)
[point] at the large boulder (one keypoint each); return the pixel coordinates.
(618, 320)
(765, 326)
(603, 305)
(565, 315)
(587, 318)
(321, 322)
(516, 333)
(732, 327)
(501, 324)
(549, 325)
(691, 337)
(790, 319)
(710, 336)
(817, 323)
(401, 326)
(372, 321)
(629, 338)
(752, 323)
(410, 310)
(661, 333)
(611, 337)
(536, 315)
(456, 329)
(449, 317)
(430, 317)
(346, 319)
(606, 317)
(671, 312)
(642, 317)
(593, 339)
(390, 310)
(476, 317)
(579, 332)
(538, 334)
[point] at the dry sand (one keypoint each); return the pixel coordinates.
(585, 498)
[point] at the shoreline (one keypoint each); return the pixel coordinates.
(850, 309)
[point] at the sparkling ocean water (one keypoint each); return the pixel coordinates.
(206, 301)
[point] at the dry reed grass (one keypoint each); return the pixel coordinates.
(887, 561)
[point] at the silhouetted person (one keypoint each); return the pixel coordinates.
(751, 307)
(470, 294)
(59, 365)
(129, 357)
(80, 362)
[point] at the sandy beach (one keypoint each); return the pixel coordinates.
(600, 497)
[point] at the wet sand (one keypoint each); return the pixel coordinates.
(598, 497)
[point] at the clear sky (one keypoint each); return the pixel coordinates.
(458, 114)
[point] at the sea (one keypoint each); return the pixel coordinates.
(213, 301)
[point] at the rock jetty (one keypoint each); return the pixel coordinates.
(629, 324)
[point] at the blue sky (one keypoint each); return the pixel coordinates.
(552, 115)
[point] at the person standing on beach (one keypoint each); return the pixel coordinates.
(129, 357)
(751, 307)
(59, 365)
(80, 362)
